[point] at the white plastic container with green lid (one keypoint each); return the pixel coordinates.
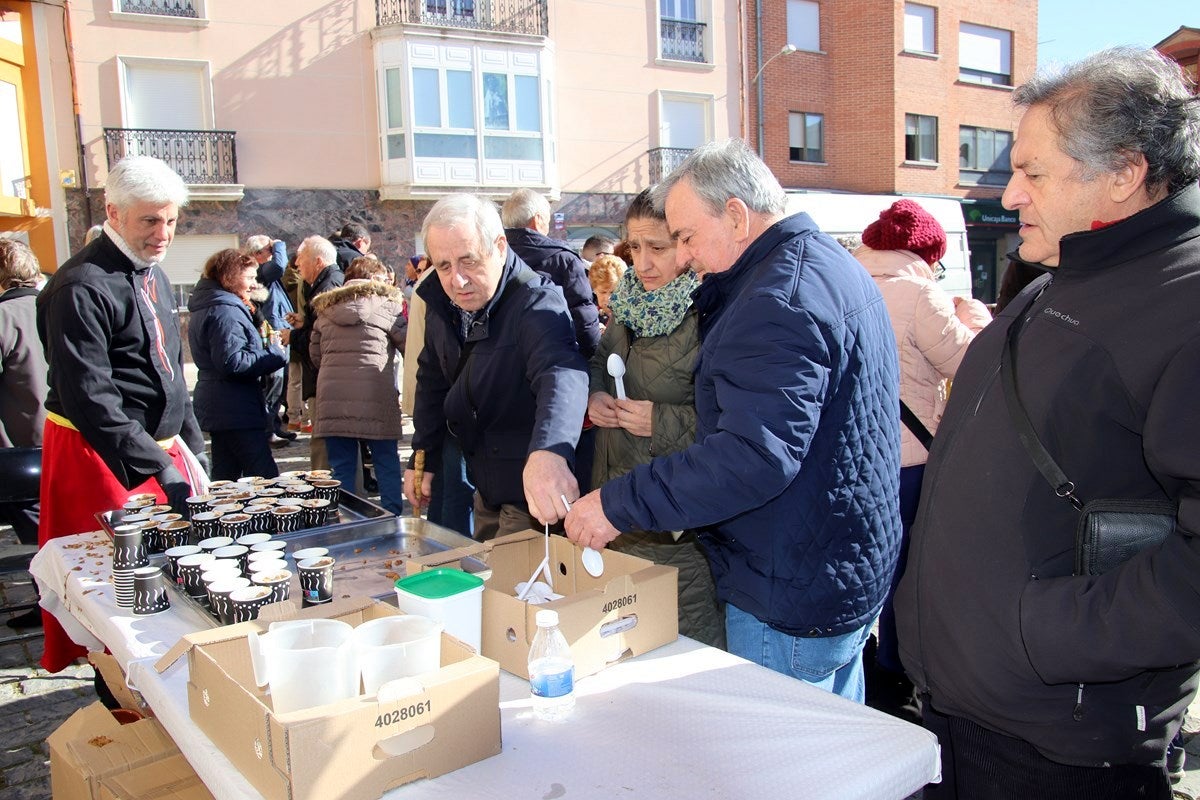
(449, 596)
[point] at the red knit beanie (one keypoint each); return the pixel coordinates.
(907, 226)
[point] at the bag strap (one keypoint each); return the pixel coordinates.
(915, 426)
(1045, 463)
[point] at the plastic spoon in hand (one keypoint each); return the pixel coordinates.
(593, 562)
(616, 368)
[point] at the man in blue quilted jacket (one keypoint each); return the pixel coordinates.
(794, 476)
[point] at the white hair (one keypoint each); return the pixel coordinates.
(322, 248)
(255, 243)
(467, 210)
(522, 206)
(144, 179)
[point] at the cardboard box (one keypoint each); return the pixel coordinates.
(171, 778)
(91, 746)
(632, 608)
(357, 748)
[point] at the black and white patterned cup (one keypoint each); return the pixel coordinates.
(315, 512)
(277, 545)
(316, 580)
(173, 556)
(287, 518)
(236, 553)
(191, 570)
(251, 539)
(327, 489)
(247, 601)
(218, 597)
(279, 581)
(149, 591)
(261, 520)
(174, 534)
(204, 524)
(214, 543)
(234, 525)
(129, 549)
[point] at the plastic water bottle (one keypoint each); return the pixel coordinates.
(551, 670)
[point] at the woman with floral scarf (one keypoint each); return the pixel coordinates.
(653, 329)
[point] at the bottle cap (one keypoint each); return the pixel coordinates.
(547, 618)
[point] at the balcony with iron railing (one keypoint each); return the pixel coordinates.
(206, 160)
(162, 8)
(503, 16)
(682, 40)
(664, 160)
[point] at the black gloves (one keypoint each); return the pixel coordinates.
(176, 488)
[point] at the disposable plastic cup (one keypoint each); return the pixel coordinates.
(305, 663)
(397, 647)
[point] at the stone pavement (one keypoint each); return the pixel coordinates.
(33, 702)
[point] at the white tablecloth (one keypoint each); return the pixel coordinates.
(684, 721)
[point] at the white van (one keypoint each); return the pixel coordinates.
(848, 214)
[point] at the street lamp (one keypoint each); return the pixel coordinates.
(783, 51)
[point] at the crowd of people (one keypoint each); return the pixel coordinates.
(729, 391)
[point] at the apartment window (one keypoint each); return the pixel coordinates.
(395, 145)
(806, 137)
(804, 24)
(681, 31)
(685, 121)
(919, 28)
(460, 9)
(984, 55)
(463, 115)
(173, 95)
(920, 138)
(983, 156)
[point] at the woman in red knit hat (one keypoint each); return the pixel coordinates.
(932, 331)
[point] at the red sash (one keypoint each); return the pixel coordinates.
(76, 484)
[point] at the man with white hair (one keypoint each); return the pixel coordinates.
(316, 261)
(499, 372)
(526, 217)
(119, 414)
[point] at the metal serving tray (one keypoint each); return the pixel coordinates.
(369, 555)
(352, 509)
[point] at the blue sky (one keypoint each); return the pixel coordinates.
(1070, 29)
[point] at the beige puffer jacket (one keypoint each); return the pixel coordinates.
(932, 333)
(360, 328)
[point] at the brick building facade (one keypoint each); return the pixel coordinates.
(890, 97)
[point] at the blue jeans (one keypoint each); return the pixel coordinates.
(385, 455)
(832, 663)
(452, 500)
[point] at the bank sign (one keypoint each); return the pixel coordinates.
(989, 214)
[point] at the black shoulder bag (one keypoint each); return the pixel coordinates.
(1109, 531)
(915, 426)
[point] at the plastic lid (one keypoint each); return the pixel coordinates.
(547, 618)
(439, 583)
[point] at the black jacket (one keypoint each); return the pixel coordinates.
(330, 278)
(567, 270)
(97, 319)
(523, 388)
(346, 252)
(992, 623)
(229, 355)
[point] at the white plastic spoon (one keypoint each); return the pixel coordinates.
(616, 368)
(593, 562)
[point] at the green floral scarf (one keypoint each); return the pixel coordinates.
(652, 313)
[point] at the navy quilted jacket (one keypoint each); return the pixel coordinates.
(795, 472)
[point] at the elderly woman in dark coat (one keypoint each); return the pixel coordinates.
(231, 358)
(359, 331)
(653, 329)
